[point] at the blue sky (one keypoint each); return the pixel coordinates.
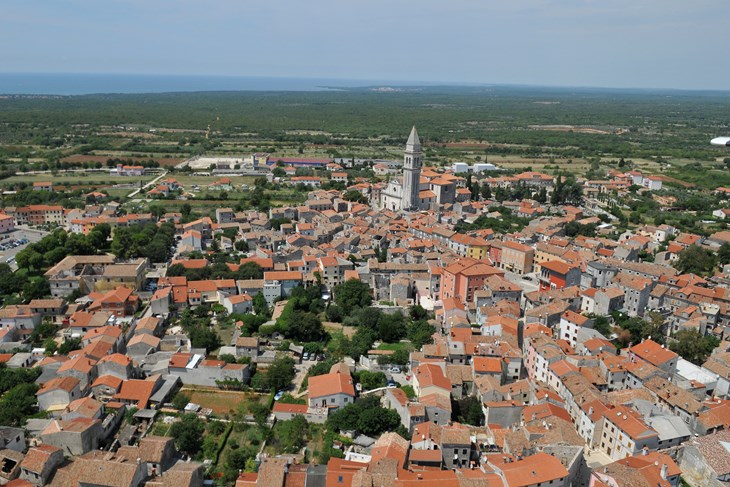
(615, 43)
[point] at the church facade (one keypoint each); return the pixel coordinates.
(418, 189)
(402, 194)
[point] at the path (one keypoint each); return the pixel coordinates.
(151, 183)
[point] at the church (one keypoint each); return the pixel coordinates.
(403, 193)
(417, 189)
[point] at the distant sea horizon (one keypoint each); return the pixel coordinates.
(66, 84)
(75, 84)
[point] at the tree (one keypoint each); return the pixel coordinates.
(227, 358)
(36, 288)
(290, 436)
(188, 433)
(250, 270)
(468, 411)
(241, 245)
(417, 312)
(10, 282)
(692, 346)
(280, 373)
(180, 400)
(352, 294)
(373, 421)
(696, 260)
(203, 337)
(391, 327)
(365, 415)
(723, 254)
(185, 209)
(18, 404)
(372, 380)
(69, 345)
(409, 391)
(354, 196)
(602, 326)
(419, 333)
(305, 327)
(486, 191)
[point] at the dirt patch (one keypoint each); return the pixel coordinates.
(221, 402)
(348, 331)
(668, 179)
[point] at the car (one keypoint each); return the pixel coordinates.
(305, 356)
(394, 370)
(320, 357)
(279, 395)
(392, 383)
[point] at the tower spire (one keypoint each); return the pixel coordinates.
(413, 139)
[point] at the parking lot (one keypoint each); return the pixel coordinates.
(10, 243)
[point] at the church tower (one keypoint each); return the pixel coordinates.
(412, 172)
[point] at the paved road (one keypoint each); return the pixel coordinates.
(20, 232)
(151, 183)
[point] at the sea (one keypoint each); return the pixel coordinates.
(86, 84)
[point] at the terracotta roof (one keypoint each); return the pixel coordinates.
(653, 353)
(432, 375)
(109, 381)
(37, 456)
(329, 384)
(65, 383)
(485, 365)
(136, 390)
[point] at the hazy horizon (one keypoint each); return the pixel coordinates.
(74, 84)
(668, 44)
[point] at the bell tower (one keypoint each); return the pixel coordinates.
(411, 171)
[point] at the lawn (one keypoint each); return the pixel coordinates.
(394, 346)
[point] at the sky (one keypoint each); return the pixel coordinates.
(617, 43)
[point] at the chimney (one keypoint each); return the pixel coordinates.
(645, 450)
(665, 467)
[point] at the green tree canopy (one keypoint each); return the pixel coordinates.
(352, 294)
(188, 433)
(692, 346)
(696, 260)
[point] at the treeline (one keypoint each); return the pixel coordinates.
(474, 113)
(149, 240)
(17, 395)
(217, 270)
(52, 248)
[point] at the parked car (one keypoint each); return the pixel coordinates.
(394, 370)
(279, 395)
(305, 356)
(392, 383)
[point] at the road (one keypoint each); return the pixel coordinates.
(151, 183)
(20, 232)
(527, 282)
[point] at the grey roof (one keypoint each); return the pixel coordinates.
(170, 382)
(8, 432)
(413, 139)
(669, 427)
